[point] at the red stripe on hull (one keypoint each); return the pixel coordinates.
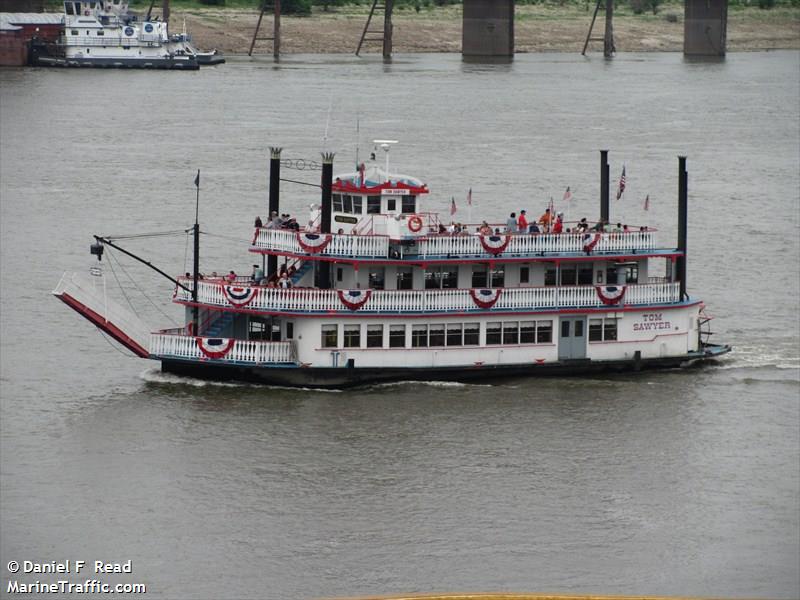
(104, 325)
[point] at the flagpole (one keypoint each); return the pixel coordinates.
(196, 274)
(469, 206)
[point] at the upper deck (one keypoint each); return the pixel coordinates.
(447, 247)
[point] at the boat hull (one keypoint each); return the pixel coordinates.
(343, 377)
(118, 63)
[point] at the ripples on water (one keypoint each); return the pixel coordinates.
(678, 482)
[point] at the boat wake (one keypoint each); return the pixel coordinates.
(156, 376)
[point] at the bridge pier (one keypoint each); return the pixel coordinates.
(488, 28)
(705, 27)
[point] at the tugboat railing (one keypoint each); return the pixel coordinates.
(313, 300)
(175, 345)
(453, 246)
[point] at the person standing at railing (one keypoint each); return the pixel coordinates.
(522, 222)
(258, 222)
(258, 274)
(511, 223)
(558, 226)
(545, 220)
(231, 277)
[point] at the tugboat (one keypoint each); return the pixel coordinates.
(375, 288)
(105, 34)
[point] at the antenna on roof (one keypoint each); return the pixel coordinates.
(386, 146)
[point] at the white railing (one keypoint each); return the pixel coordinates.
(453, 246)
(243, 351)
(362, 246)
(304, 300)
(535, 243)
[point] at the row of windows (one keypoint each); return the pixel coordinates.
(440, 334)
(352, 204)
(446, 277)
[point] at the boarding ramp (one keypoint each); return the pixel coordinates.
(87, 296)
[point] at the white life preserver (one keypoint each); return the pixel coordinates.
(414, 223)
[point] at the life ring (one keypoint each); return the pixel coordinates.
(414, 224)
(86, 12)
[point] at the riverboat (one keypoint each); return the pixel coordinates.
(375, 288)
(104, 33)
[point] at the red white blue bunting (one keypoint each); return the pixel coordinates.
(590, 241)
(239, 296)
(354, 299)
(610, 294)
(485, 298)
(495, 244)
(214, 347)
(313, 242)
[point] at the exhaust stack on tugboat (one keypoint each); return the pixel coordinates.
(377, 288)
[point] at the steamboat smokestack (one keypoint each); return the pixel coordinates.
(324, 272)
(274, 198)
(683, 212)
(604, 183)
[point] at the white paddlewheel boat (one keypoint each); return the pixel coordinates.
(374, 291)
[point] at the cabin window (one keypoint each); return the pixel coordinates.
(100, 32)
(585, 274)
(511, 332)
(436, 334)
(611, 275)
(352, 336)
(441, 278)
(568, 275)
(73, 32)
(455, 334)
(602, 330)
(358, 205)
(494, 333)
(527, 332)
(68, 8)
(377, 278)
(479, 276)
(373, 205)
(550, 276)
(77, 8)
(289, 331)
(419, 336)
(498, 276)
(409, 204)
(472, 334)
(339, 273)
(397, 336)
(632, 274)
(275, 333)
(337, 202)
(330, 336)
(257, 329)
(391, 204)
(599, 276)
(374, 336)
(405, 278)
(347, 203)
(544, 332)
(524, 274)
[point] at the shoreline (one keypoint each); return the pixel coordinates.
(538, 28)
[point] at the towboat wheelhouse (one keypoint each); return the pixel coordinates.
(375, 288)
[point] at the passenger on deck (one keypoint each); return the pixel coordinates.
(511, 223)
(231, 277)
(522, 222)
(558, 226)
(484, 229)
(274, 221)
(284, 282)
(534, 228)
(258, 222)
(545, 220)
(582, 225)
(258, 274)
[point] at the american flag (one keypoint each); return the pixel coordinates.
(453, 207)
(567, 195)
(621, 187)
(469, 197)
(647, 202)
